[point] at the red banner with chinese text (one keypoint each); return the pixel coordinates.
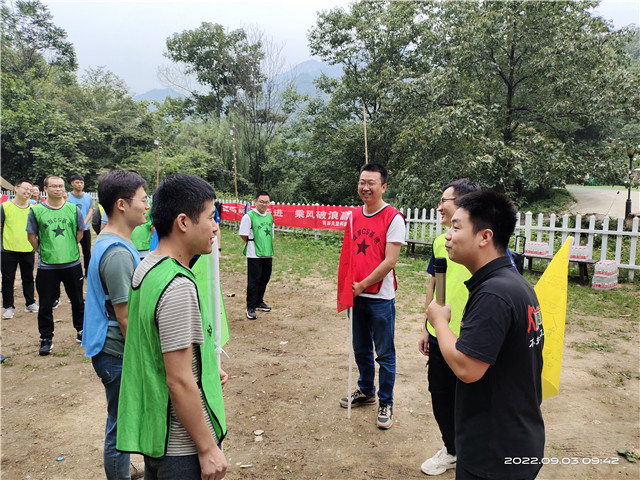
(298, 216)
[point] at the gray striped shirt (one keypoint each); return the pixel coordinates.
(180, 325)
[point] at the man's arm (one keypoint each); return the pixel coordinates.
(391, 253)
(33, 240)
(466, 368)
(122, 315)
(185, 397)
(423, 343)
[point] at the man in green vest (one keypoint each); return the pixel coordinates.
(55, 228)
(16, 249)
(442, 380)
(256, 230)
(170, 407)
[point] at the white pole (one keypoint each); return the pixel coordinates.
(350, 316)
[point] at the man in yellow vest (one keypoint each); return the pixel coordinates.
(55, 228)
(16, 249)
(442, 380)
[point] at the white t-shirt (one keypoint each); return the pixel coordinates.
(395, 234)
(245, 229)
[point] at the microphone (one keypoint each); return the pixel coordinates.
(440, 268)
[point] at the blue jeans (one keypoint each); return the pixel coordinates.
(374, 325)
(109, 369)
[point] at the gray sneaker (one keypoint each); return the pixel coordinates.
(8, 313)
(385, 416)
(251, 313)
(358, 399)
(45, 346)
(33, 308)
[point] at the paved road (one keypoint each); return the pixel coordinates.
(603, 201)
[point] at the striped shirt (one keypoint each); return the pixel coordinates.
(180, 325)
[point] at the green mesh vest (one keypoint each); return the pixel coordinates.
(57, 233)
(262, 234)
(143, 411)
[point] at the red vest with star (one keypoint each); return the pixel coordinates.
(369, 243)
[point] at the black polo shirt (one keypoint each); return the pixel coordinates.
(498, 417)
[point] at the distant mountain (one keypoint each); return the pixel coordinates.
(158, 95)
(305, 73)
(302, 74)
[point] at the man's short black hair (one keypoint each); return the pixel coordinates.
(462, 186)
(49, 177)
(23, 180)
(181, 193)
(376, 167)
(76, 176)
(491, 210)
(117, 184)
(262, 193)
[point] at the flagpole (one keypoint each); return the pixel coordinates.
(350, 316)
(364, 119)
(215, 294)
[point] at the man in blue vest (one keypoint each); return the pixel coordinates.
(256, 230)
(109, 276)
(86, 205)
(378, 234)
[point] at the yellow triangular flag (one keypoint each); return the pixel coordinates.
(551, 290)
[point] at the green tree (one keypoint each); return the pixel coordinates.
(225, 62)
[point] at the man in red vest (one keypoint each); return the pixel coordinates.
(378, 234)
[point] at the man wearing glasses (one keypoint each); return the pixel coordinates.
(442, 380)
(378, 234)
(256, 229)
(54, 228)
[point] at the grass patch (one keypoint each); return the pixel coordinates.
(31, 367)
(61, 353)
(584, 347)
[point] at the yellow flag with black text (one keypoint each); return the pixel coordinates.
(551, 290)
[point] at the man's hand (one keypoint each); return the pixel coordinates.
(437, 314)
(357, 288)
(223, 377)
(213, 464)
(423, 343)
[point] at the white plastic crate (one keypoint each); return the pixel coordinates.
(536, 248)
(606, 268)
(578, 252)
(604, 282)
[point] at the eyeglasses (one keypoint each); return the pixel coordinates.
(371, 183)
(143, 199)
(263, 202)
(442, 200)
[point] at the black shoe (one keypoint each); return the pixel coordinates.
(385, 416)
(79, 336)
(251, 313)
(56, 304)
(263, 307)
(45, 346)
(358, 399)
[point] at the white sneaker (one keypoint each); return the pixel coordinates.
(8, 313)
(56, 304)
(33, 308)
(439, 463)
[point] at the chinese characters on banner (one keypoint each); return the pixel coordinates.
(298, 216)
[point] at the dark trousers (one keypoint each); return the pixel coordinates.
(442, 385)
(9, 262)
(258, 275)
(48, 285)
(85, 243)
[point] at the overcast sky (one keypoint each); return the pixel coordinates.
(128, 37)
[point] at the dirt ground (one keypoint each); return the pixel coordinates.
(287, 370)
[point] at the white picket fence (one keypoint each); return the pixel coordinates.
(423, 227)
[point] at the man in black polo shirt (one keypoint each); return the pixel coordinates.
(498, 358)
